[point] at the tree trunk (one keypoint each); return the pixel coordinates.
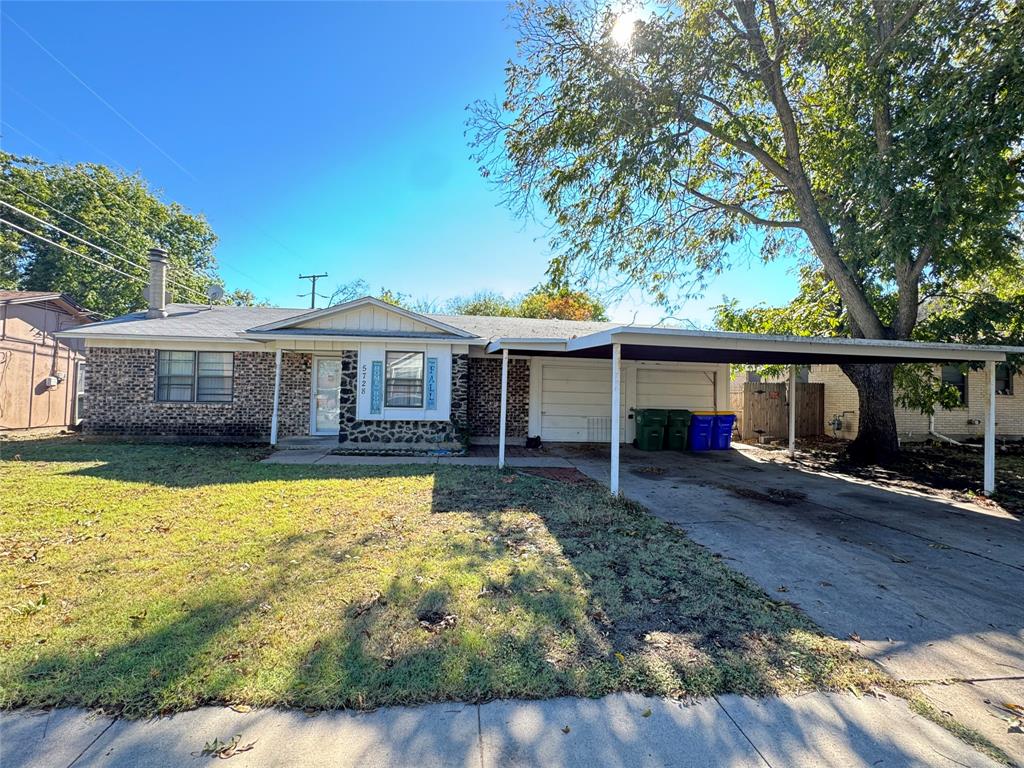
(876, 441)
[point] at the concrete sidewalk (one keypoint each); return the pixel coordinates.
(321, 456)
(619, 730)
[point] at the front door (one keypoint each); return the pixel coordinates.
(326, 383)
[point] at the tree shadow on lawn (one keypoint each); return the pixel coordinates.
(528, 588)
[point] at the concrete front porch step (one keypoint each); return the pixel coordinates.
(324, 442)
(398, 449)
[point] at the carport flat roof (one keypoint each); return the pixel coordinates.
(682, 345)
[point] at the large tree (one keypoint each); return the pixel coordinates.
(117, 212)
(878, 140)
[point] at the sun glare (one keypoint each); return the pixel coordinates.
(622, 30)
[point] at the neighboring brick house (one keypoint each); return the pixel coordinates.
(39, 373)
(964, 422)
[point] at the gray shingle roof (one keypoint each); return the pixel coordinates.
(523, 327)
(198, 321)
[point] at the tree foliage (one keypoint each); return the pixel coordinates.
(878, 140)
(546, 301)
(117, 212)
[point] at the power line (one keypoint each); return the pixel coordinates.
(105, 103)
(73, 251)
(92, 229)
(89, 244)
(312, 292)
(258, 226)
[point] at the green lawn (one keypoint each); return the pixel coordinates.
(148, 578)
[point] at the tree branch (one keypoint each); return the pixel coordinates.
(739, 209)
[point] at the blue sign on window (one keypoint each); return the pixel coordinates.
(431, 383)
(376, 386)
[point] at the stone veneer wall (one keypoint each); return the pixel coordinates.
(485, 397)
(355, 432)
(120, 397)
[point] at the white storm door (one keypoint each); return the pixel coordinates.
(326, 389)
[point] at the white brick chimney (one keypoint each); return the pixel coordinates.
(157, 291)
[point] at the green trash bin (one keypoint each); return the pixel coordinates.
(678, 428)
(650, 428)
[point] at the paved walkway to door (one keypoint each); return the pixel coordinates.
(931, 589)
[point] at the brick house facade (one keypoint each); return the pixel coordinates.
(967, 421)
(120, 397)
(485, 397)
(120, 385)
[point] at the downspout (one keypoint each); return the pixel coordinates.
(933, 433)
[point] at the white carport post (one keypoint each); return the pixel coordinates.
(504, 408)
(792, 411)
(277, 397)
(613, 482)
(989, 484)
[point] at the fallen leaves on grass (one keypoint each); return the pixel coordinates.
(30, 607)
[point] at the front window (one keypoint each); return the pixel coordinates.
(953, 376)
(403, 380)
(1004, 379)
(175, 376)
(184, 377)
(214, 377)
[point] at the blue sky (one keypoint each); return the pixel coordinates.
(315, 137)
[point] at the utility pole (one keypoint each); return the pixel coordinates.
(312, 292)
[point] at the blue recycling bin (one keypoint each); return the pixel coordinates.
(700, 431)
(721, 431)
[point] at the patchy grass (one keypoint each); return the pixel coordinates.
(150, 579)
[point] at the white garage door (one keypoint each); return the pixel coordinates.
(575, 403)
(667, 388)
(575, 399)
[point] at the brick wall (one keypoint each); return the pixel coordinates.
(485, 397)
(120, 387)
(841, 395)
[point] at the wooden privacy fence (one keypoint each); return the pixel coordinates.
(765, 410)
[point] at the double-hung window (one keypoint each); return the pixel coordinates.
(403, 380)
(1004, 379)
(203, 377)
(953, 376)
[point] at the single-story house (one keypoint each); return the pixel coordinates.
(965, 421)
(380, 377)
(840, 411)
(40, 374)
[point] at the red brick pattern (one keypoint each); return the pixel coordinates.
(485, 397)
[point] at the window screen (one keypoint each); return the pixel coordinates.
(214, 377)
(204, 377)
(175, 375)
(403, 380)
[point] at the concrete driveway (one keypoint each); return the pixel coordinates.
(931, 589)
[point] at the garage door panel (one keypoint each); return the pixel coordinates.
(579, 409)
(666, 388)
(570, 398)
(578, 386)
(576, 402)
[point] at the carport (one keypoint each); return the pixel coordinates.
(677, 345)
